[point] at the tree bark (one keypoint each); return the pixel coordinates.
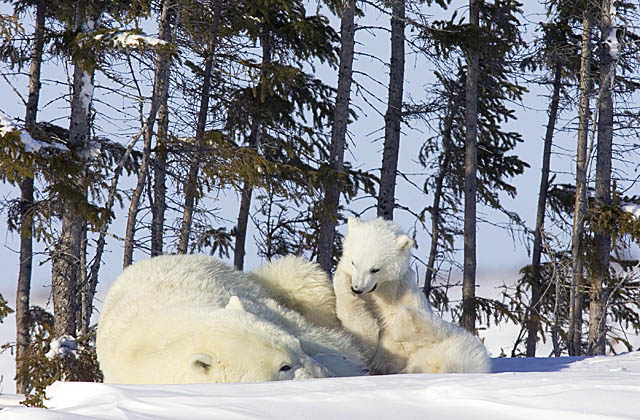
(600, 275)
(443, 169)
(190, 187)
(533, 322)
(23, 292)
(468, 318)
(392, 118)
(159, 183)
(332, 189)
(160, 93)
(66, 257)
(247, 189)
(577, 251)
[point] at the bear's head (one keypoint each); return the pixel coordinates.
(237, 346)
(377, 251)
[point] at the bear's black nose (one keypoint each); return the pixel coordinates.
(357, 292)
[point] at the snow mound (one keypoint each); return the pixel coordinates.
(605, 387)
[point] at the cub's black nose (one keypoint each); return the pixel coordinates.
(357, 292)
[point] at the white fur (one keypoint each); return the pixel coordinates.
(192, 318)
(379, 301)
(310, 293)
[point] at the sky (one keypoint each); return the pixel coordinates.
(593, 388)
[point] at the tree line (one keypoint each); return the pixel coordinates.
(227, 99)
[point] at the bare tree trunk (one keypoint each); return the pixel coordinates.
(247, 189)
(533, 322)
(66, 257)
(190, 187)
(468, 318)
(160, 93)
(326, 235)
(600, 275)
(392, 118)
(577, 251)
(443, 169)
(159, 183)
(26, 202)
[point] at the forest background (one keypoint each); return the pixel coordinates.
(253, 167)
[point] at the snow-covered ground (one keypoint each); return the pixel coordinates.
(606, 387)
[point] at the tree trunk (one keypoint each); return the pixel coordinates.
(577, 251)
(533, 322)
(392, 118)
(329, 215)
(190, 187)
(159, 183)
(443, 169)
(600, 274)
(66, 257)
(26, 202)
(247, 189)
(160, 93)
(468, 318)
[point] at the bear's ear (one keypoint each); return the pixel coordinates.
(235, 304)
(353, 222)
(200, 362)
(404, 242)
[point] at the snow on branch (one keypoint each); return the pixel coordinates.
(130, 39)
(31, 145)
(63, 346)
(632, 208)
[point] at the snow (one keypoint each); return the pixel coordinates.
(31, 145)
(614, 45)
(632, 208)
(604, 387)
(126, 39)
(63, 346)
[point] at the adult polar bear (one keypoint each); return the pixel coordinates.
(192, 318)
(378, 300)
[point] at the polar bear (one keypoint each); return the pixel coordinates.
(181, 292)
(379, 301)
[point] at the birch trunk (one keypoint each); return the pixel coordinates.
(327, 231)
(160, 93)
(23, 291)
(533, 322)
(468, 318)
(392, 118)
(600, 276)
(577, 251)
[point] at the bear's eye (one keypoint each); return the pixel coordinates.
(285, 368)
(353, 264)
(374, 270)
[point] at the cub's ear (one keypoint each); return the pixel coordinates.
(353, 222)
(200, 362)
(235, 304)
(404, 242)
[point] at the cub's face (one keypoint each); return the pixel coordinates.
(251, 351)
(374, 253)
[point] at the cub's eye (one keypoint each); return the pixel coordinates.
(353, 264)
(374, 270)
(285, 368)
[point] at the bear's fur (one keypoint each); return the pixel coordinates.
(160, 307)
(379, 301)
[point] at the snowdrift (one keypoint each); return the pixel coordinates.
(605, 387)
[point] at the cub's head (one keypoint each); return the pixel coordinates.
(240, 347)
(375, 251)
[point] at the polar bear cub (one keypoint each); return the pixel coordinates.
(192, 318)
(378, 300)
